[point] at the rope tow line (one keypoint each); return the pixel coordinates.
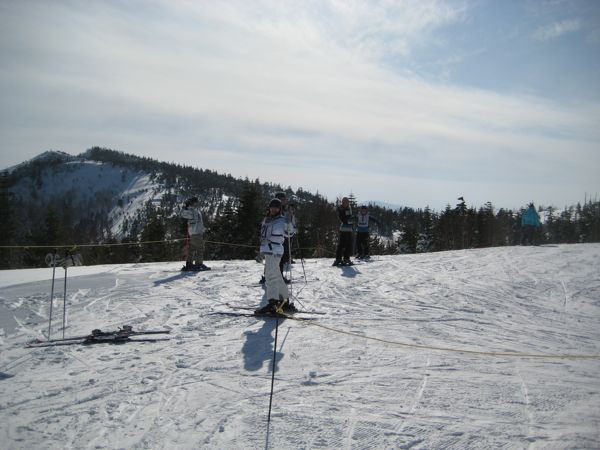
(443, 349)
(73, 246)
(121, 244)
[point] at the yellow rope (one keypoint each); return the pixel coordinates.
(443, 349)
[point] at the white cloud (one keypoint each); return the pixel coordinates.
(275, 89)
(556, 29)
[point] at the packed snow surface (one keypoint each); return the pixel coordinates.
(490, 348)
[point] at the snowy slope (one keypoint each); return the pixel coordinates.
(93, 187)
(438, 350)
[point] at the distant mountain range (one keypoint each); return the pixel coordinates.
(382, 204)
(113, 189)
(103, 196)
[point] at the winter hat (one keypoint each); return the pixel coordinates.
(275, 203)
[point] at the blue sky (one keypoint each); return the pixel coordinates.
(409, 102)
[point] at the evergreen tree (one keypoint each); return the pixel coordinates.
(7, 222)
(425, 239)
(153, 231)
(222, 232)
(250, 214)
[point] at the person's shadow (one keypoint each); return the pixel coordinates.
(258, 347)
(350, 271)
(174, 278)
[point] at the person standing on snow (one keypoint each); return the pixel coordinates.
(286, 244)
(195, 236)
(530, 222)
(289, 213)
(345, 243)
(290, 231)
(272, 236)
(362, 232)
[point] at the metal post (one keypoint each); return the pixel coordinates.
(53, 262)
(65, 301)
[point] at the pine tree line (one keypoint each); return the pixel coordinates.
(233, 209)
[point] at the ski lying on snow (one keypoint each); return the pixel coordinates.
(262, 285)
(249, 308)
(99, 336)
(260, 316)
(115, 339)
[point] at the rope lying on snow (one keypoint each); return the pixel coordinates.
(443, 349)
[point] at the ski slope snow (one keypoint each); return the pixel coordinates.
(488, 348)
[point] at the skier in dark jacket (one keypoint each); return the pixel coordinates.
(362, 232)
(345, 243)
(530, 223)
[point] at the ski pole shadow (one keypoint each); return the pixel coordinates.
(258, 347)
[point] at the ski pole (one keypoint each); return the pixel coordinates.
(53, 263)
(65, 303)
(65, 293)
(301, 257)
(290, 264)
(303, 271)
(273, 369)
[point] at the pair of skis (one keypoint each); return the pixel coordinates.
(101, 337)
(245, 312)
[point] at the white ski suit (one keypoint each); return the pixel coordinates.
(272, 235)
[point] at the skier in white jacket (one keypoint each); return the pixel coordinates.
(195, 236)
(272, 236)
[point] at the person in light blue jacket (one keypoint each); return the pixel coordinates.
(530, 223)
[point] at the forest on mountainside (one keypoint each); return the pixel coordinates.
(233, 209)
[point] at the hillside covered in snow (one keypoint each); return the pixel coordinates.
(485, 348)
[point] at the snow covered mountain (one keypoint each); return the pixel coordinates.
(479, 349)
(89, 188)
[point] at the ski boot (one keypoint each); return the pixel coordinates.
(289, 308)
(268, 309)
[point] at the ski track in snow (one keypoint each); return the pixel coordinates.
(208, 385)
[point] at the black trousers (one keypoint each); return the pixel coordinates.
(362, 243)
(528, 236)
(344, 248)
(285, 258)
